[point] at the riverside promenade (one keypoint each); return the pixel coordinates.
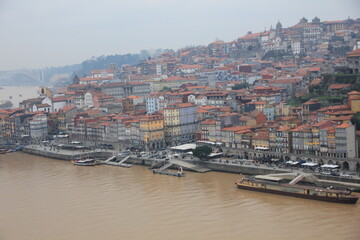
(215, 165)
(68, 155)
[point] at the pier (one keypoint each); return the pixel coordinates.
(181, 164)
(164, 172)
(121, 163)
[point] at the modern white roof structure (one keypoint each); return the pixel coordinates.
(270, 178)
(261, 148)
(329, 166)
(309, 164)
(184, 147)
(215, 155)
(211, 143)
(292, 162)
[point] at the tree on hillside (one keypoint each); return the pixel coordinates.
(356, 120)
(166, 89)
(240, 86)
(202, 152)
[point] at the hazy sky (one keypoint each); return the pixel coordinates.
(43, 33)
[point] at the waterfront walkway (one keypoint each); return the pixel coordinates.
(54, 152)
(184, 164)
(224, 165)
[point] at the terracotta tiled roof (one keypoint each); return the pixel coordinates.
(355, 53)
(67, 108)
(101, 71)
(339, 86)
(283, 129)
(314, 69)
(208, 122)
(190, 66)
(344, 125)
(59, 99)
(334, 22)
(235, 128)
(89, 79)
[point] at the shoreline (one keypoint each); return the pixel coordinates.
(354, 184)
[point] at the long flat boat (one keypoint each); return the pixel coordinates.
(309, 192)
(84, 162)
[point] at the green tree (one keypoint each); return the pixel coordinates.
(356, 120)
(202, 152)
(240, 86)
(166, 89)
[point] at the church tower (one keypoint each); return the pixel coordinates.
(278, 29)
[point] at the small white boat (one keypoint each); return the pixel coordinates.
(84, 162)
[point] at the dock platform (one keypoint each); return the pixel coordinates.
(121, 163)
(163, 172)
(185, 165)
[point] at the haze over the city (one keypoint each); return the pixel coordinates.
(37, 34)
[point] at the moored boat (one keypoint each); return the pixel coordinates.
(309, 192)
(3, 150)
(84, 162)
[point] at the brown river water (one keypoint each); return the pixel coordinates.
(50, 199)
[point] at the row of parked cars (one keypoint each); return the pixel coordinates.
(336, 173)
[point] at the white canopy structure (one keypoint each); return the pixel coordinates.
(185, 147)
(262, 148)
(329, 166)
(292, 162)
(309, 164)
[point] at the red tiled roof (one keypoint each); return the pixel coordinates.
(338, 86)
(208, 122)
(59, 99)
(190, 66)
(261, 135)
(235, 128)
(101, 71)
(334, 22)
(68, 108)
(344, 125)
(185, 53)
(355, 53)
(89, 79)
(314, 69)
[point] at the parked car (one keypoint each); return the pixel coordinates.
(345, 175)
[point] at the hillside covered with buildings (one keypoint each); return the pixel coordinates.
(290, 90)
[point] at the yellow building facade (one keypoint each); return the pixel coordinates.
(152, 132)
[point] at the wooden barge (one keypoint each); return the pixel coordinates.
(308, 192)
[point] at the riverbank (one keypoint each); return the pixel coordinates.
(219, 166)
(66, 155)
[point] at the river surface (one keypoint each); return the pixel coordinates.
(17, 94)
(44, 199)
